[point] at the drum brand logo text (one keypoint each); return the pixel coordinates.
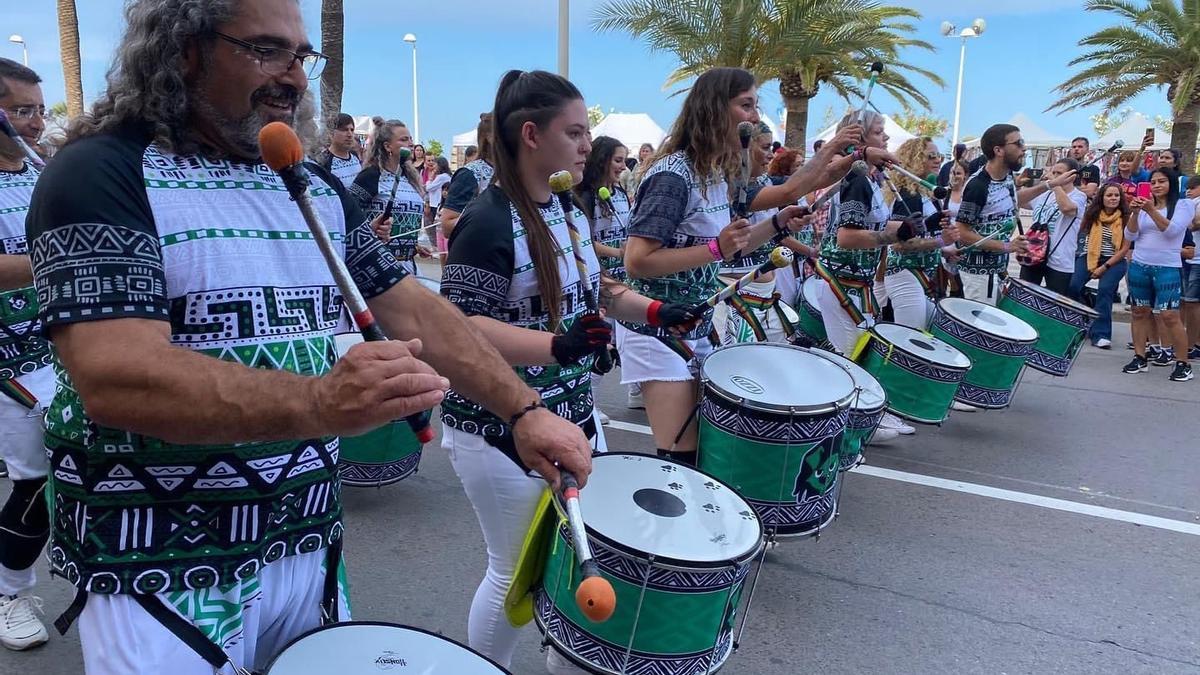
(747, 384)
(389, 660)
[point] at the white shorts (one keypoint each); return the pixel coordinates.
(646, 359)
(252, 621)
(21, 444)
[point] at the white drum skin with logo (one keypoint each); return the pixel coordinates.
(370, 648)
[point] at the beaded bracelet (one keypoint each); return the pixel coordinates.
(512, 421)
(714, 247)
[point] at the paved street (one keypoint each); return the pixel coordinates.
(921, 573)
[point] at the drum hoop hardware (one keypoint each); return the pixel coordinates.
(637, 617)
(762, 559)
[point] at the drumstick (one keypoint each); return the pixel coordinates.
(560, 184)
(282, 152)
(606, 195)
(780, 257)
(11, 132)
(404, 155)
(858, 168)
(595, 596)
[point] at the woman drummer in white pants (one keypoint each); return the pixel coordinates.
(912, 265)
(512, 269)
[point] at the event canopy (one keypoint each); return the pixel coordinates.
(897, 135)
(632, 129)
(1131, 132)
(464, 139)
(1034, 134)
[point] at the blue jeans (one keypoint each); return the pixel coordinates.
(1102, 326)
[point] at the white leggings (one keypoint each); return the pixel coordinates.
(839, 327)
(910, 306)
(504, 499)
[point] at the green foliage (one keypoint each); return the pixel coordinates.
(434, 148)
(595, 115)
(921, 124)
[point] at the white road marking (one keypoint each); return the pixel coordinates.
(996, 493)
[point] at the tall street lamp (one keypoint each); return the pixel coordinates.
(973, 31)
(17, 39)
(412, 40)
(564, 37)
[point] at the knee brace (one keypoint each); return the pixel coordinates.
(24, 524)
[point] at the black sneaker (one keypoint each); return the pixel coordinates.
(1164, 358)
(1152, 351)
(1129, 345)
(3, 469)
(1194, 352)
(1137, 365)
(1182, 372)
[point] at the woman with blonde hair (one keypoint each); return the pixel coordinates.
(373, 188)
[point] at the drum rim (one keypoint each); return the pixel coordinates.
(387, 624)
(882, 392)
(706, 384)
(951, 316)
(1060, 300)
(875, 334)
(637, 555)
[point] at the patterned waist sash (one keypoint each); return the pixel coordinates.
(18, 393)
(839, 286)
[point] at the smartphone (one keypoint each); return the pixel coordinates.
(1148, 138)
(1143, 191)
(1037, 174)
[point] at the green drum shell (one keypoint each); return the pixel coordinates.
(862, 421)
(384, 456)
(684, 621)
(1062, 325)
(917, 390)
(811, 325)
(996, 361)
(784, 465)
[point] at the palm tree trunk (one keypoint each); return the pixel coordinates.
(333, 32)
(68, 40)
(796, 130)
(1184, 136)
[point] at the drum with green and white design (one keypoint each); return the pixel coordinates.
(866, 410)
(997, 343)
(772, 418)
(920, 373)
(1062, 324)
(676, 545)
(811, 325)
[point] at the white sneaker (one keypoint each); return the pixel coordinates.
(890, 421)
(1104, 343)
(557, 664)
(883, 435)
(19, 626)
(963, 407)
(635, 398)
(604, 419)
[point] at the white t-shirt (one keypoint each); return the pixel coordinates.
(1063, 231)
(433, 189)
(1162, 248)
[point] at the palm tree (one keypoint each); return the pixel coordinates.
(68, 45)
(1155, 44)
(803, 44)
(333, 33)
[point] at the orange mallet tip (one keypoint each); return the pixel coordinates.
(280, 146)
(596, 599)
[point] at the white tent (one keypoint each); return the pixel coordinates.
(632, 129)
(1131, 132)
(465, 138)
(1034, 134)
(897, 134)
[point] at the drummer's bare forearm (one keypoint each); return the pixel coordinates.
(854, 238)
(967, 236)
(917, 245)
(15, 272)
(603, 251)
(519, 346)
(454, 346)
(649, 259)
(621, 302)
(796, 247)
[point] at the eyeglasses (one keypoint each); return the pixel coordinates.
(26, 112)
(277, 60)
(1020, 143)
(934, 155)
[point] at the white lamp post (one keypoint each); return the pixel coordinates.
(17, 39)
(564, 38)
(975, 30)
(412, 40)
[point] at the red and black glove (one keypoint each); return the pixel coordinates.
(669, 315)
(588, 335)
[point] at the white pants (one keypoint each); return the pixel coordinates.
(504, 499)
(839, 327)
(646, 359)
(975, 287)
(788, 285)
(252, 621)
(21, 443)
(910, 306)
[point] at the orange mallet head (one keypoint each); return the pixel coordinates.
(596, 599)
(280, 146)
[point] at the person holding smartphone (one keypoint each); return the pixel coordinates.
(1059, 212)
(1158, 226)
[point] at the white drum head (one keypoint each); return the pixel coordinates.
(872, 396)
(988, 319)
(365, 648)
(810, 290)
(651, 506)
(790, 313)
(923, 346)
(776, 377)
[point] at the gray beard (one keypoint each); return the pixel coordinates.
(241, 134)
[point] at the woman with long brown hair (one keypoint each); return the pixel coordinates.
(1104, 227)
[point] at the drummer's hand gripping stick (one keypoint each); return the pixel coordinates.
(561, 183)
(595, 596)
(282, 152)
(780, 257)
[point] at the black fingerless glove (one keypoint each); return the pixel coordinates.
(933, 224)
(906, 231)
(588, 335)
(671, 315)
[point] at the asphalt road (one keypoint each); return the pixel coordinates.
(911, 578)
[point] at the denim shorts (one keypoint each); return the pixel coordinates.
(1191, 283)
(1155, 286)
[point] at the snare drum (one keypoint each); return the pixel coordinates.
(368, 647)
(920, 373)
(385, 455)
(1062, 324)
(866, 410)
(772, 418)
(676, 545)
(997, 343)
(811, 325)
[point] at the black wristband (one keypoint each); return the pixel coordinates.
(512, 421)
(775, 224)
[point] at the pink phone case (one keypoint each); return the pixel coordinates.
(1143, 191)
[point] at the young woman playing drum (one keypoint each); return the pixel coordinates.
(373, 188)
(681, 230)
(512, 268)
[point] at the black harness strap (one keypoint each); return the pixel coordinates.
(63, 623)
(183, 629)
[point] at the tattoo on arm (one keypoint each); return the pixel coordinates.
(883, 237)
(611, 293)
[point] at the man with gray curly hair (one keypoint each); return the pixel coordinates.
(193, 442)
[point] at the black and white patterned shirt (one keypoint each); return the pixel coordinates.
(610, 226)
(987, 206)
(859, 205)
(23, 350)
(468, 183)
(343, 169)
(490, 272)
(373, 188)
(757, 257)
